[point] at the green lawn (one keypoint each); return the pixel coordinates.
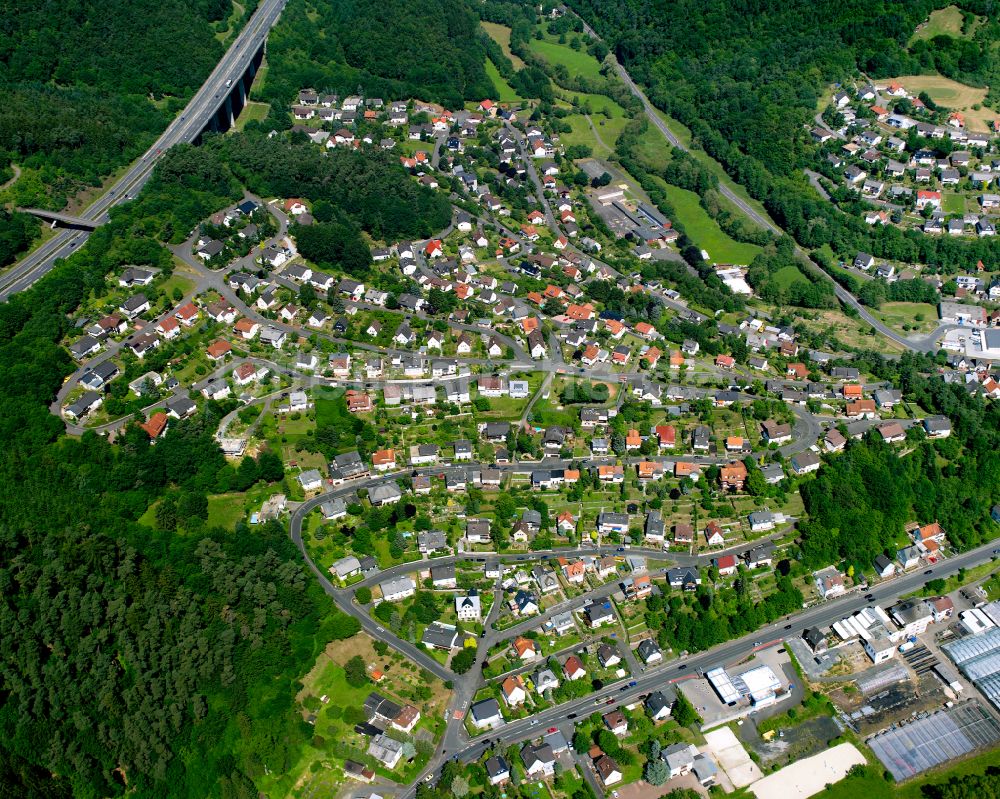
(546, 413)
(252, 110)
(505, 92)
(577, 62)
(953, 203)
(870, 784)
(331, 682)
(653, 150)
(224, 510)
(591, 103)
(705, 231)
(602, 142)
(788, 276)
(177, 281)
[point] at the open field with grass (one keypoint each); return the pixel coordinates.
(234, 17)
(951, 94)
(598, 133)
(577, 62)
(870, 783)
(847, 330)
(593, 104)
(501, 35)
(319, 768)
(953, 203)
(180, 279)
(505, 92)
(252, 110)
(909, 316)
(945, 21)
(224, 510)
(705, 231)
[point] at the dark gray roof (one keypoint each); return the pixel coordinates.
(486, 709)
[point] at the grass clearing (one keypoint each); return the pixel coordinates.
(705, 231)
(234, 18)
(870, 783)
(913, 315)
(848, 330)
(653, 150)
(788, 276)
(252, 111)
(505, 92)
(591, 103)
(945, 21)
(224, 510)
(577, 62)
(177, 281)
(953, 203)
(318, 770)
(600, 138)
(501, 35)
(683, 134)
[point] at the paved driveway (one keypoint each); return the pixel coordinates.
(643, 790)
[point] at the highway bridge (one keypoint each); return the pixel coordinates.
(59, 218)
(214, 107)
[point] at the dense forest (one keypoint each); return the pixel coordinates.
(86, 89)
(747, 80)
(17, 231)
(394, 49)
(370, 190)
(860, 500)
(155, 660)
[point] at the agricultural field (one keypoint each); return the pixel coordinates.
(501, 35)
(951, 94)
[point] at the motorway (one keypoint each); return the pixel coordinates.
(185, 128)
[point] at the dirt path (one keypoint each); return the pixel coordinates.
(597, 134)
(13, 180)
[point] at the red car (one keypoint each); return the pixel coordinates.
(552, 729)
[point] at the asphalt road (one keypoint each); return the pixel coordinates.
(926, 343)
(185, 128)
(731, 652)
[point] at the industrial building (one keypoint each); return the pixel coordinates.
(978, 658)
(760, 686)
